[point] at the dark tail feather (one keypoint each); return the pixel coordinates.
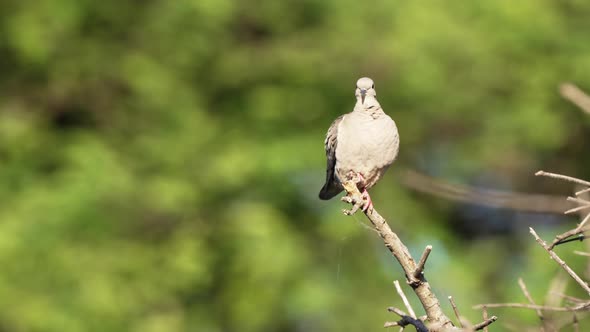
(330, 189)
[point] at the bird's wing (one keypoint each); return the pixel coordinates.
(332, 186)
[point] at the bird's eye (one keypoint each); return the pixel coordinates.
(373, 87)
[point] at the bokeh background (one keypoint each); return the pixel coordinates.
(160, 160)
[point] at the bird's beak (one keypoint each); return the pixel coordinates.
(363, 93)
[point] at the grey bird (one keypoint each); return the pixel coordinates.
(363, 143)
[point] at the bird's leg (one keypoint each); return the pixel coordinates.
(368, 202)
(366, 197)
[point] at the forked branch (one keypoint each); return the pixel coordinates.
(417, 281)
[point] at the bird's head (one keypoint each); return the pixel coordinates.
(365, 90)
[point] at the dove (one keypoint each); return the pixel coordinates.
(360, 144)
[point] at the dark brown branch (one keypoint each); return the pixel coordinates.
(420, 286)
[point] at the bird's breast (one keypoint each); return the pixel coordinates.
(366, 145)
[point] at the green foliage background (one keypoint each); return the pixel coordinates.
(160, 160)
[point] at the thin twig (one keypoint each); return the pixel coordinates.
(525, 306)
(563, 177)
(583, 191)
(579, 237)
(575, 95)
(390, 324)
(485, 317)
(456, 310)
(397, 311)
(485, 323)
(582, 253)
(405, 321)
(577, 200)
(576, 326)
(404, 299)
(569, 298)
(422, 262)
(557, 284)
(579, 229)
(529, 297)
(559, 261)
(576, 209)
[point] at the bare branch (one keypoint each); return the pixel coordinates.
(575, 95)
(559, 261)
(485, 317)
(579, 229)
(390, 324)
(563, 177)
(456, 310)
(570, 298)
(404, 299)
(397, 311)
(582, 253)
(528, 296)
(420, 268)
(421, 287)
(525, 306)
(485, 323)
(578, 200)
(405, 321)
(576, 209)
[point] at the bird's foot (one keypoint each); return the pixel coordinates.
(362, 202)
(357, 203)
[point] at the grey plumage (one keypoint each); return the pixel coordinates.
(364, 141)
